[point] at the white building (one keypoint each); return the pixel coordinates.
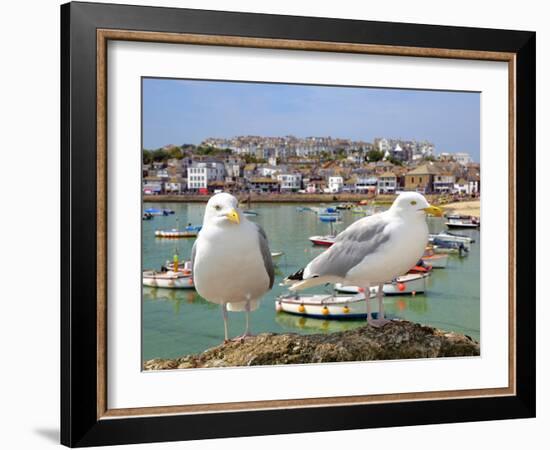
(335, 185)
(202, 173)
(387, 183)
(462, 158)
(290, 181)
(268, 171)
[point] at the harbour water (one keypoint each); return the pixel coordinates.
(179, 322)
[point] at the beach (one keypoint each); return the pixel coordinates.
(467, 208)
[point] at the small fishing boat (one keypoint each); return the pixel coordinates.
(451, 237)
(303, 208)
(159, 212)
(326, 306)
(147, 216)
(329, 217)
(344, 206)
(168, 279)
(174, 233)
(250, 213)
(324, 211)
(189, 231)
(462, 222)
(326, 241)
(359, 211)
(171, 276)
(403, 285)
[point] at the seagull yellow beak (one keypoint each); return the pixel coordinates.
(434, 211)
(233, 216)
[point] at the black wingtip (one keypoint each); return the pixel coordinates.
(297, 276)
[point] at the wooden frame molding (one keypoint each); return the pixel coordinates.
(103, 36)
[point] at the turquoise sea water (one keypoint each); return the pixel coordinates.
(179, 322)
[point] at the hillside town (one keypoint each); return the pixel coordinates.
(312, 165)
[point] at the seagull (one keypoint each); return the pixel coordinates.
(231, 260)
(373, 250)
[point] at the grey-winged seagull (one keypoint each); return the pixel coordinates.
(373, 250)
(231, 259)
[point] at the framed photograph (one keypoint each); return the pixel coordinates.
(273, 224)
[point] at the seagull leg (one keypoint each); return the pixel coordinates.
(366, 293)
(381, 321)
(247, 329)
(224, 313)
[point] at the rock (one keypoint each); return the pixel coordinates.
(397, 340)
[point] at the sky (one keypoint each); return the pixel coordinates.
(188, 111)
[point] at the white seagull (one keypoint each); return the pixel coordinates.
(373, 250)
(231, 259)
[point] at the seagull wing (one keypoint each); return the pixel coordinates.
(360, 239)
(266, 254)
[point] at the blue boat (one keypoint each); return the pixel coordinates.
(329, 217)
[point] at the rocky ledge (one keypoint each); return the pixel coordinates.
(396, 340)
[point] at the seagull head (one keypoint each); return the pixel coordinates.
(222, 209)
(413, 203)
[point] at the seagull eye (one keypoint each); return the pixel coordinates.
(413, 202)
(217, 207)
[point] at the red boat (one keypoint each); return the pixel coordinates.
(326, 241)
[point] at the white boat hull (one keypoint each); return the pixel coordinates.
(405, 285)
(446, 237)
(327, 306)
(168, 280)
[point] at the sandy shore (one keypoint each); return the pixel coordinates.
(469, 208)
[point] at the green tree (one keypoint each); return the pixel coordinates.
(375, 155)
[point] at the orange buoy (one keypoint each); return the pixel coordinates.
(301, 308)
(325, 311)
(361, 290)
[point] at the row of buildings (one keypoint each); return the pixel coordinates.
(285, 147)
(201, 174)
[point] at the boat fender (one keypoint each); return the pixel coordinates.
(325, 311)
(279, 306)
(362, 290)
(413, 293)
(301, 308)
(346, 309)
(401, 286)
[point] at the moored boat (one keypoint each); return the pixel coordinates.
(250, 213)
(175, 233)
(168, 279)
(326, 241)
(326, 306)
(403, 285)
(159, 212)
(276, 256)
(456, 221)
(451, 237)
(329, 217)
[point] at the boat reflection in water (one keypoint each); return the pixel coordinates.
(293, 323)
